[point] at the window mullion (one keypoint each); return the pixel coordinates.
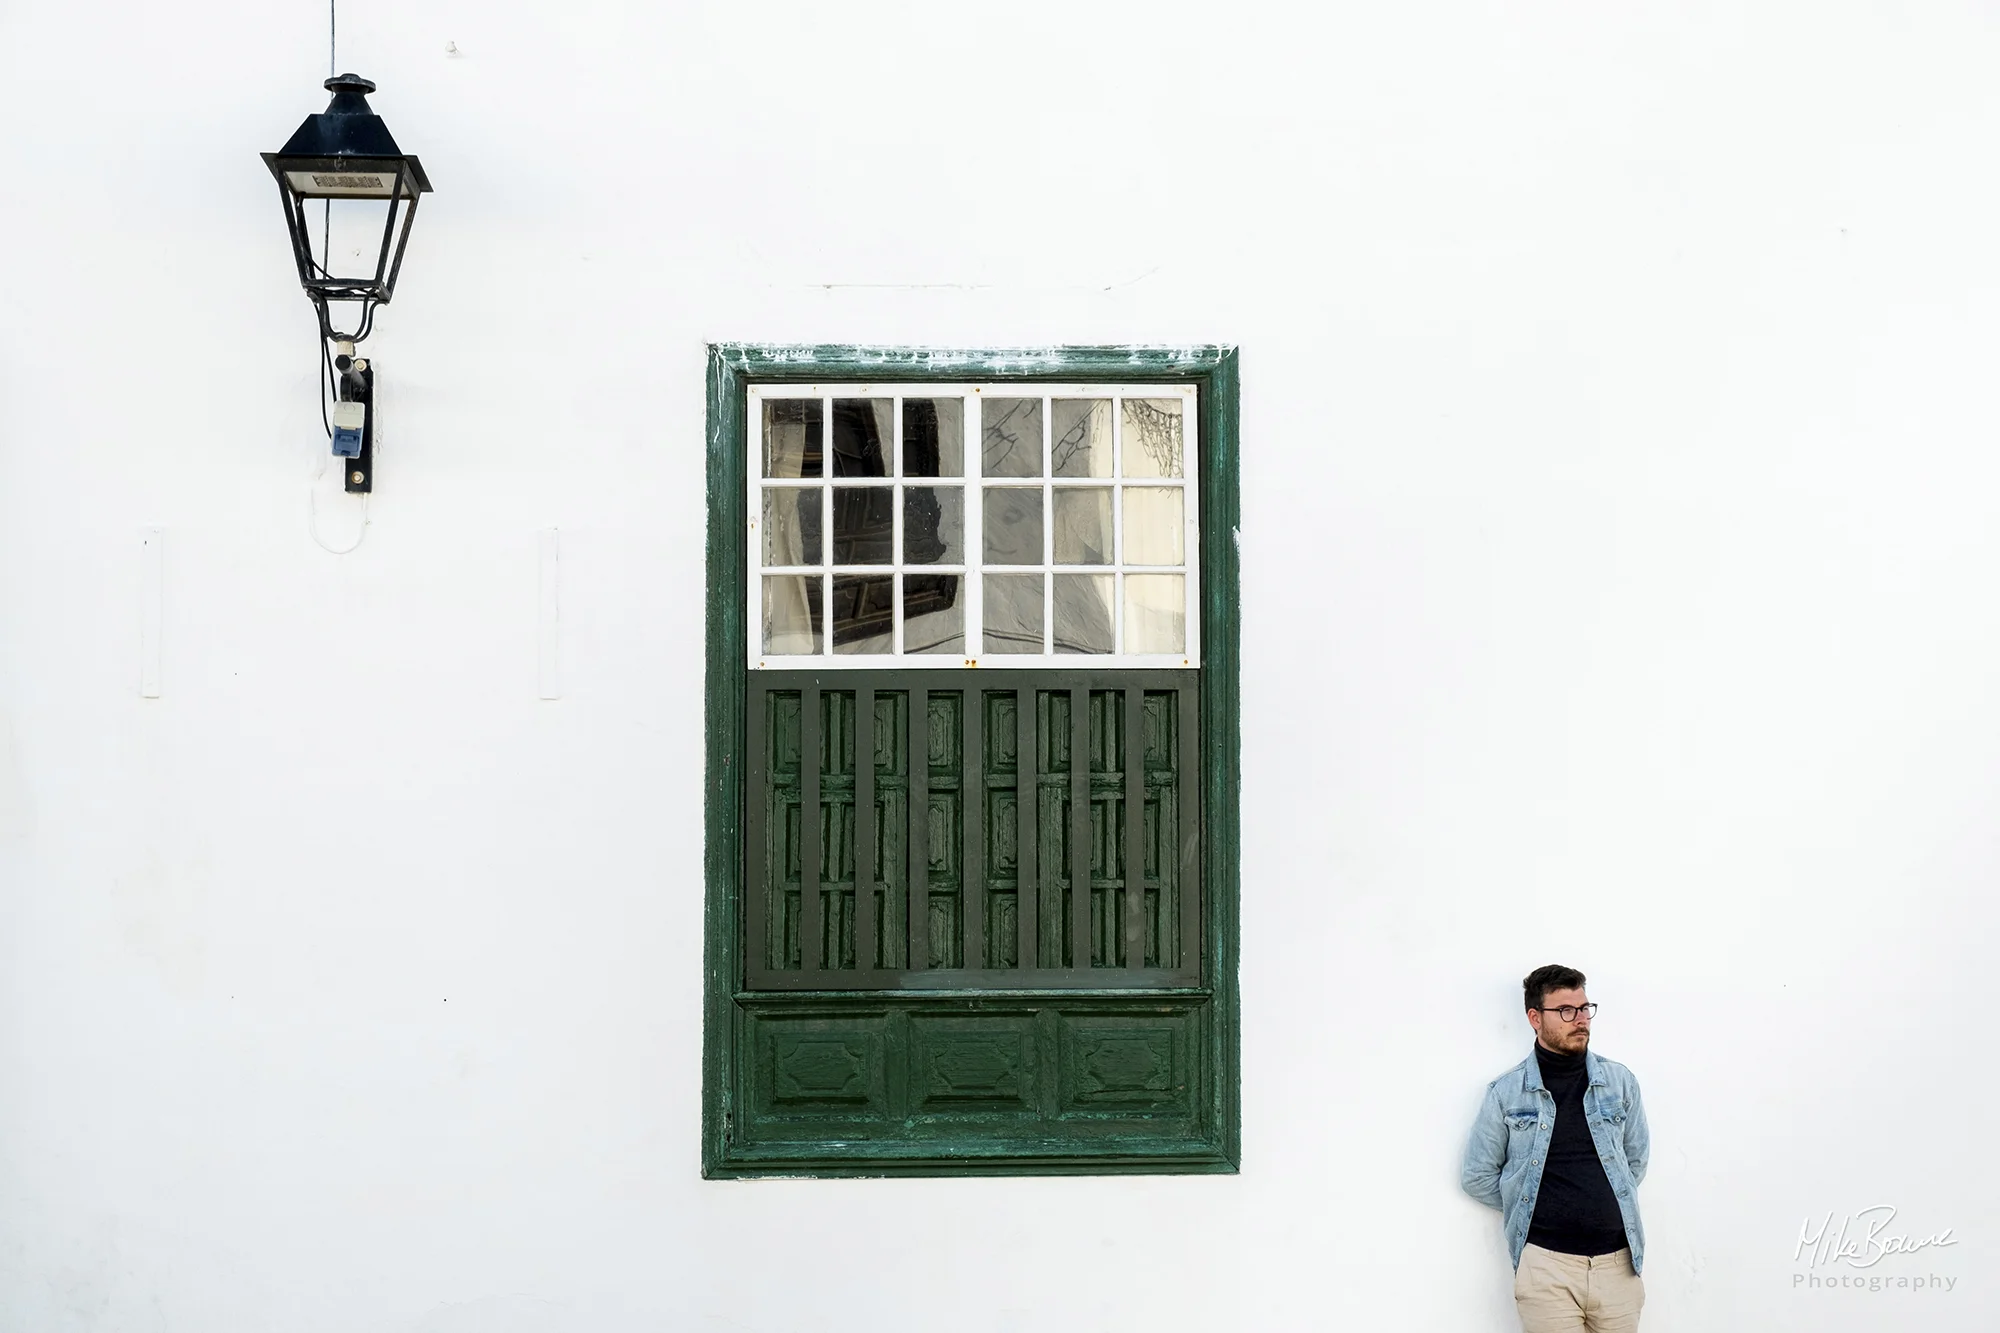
(1048, 530)
(974, 468)
(896, 528)
(1118, 524)
(826, 528)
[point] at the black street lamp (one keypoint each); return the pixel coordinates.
(346, 153)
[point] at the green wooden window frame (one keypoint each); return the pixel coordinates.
(1130, 1067)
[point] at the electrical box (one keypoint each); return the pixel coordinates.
(348, 419)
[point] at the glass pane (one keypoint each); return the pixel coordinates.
(1080, 437)
(862, 431)
(791, 525)
(1153, 525)
(864, 531)
(1012, 532)
(1083, 613)
(933, 614)
(934, 525)
(863, 607)
(1013, 612)
(933, 437)
(1083, 525)
(1152, 437)
(791, 437)
(1012, 444)
(1155, 613)
(791, 614)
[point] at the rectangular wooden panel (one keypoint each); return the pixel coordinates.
(812, 931)
(921, 822)
(816, 1064)
(933, 1078)
(1135, 827)
(763, 883)
(1187, 805)
(1126, 1063)
(972, 815)
(973, 1063)
(918, 832)
(1079, 827)
(1026, 800)
(865, 955)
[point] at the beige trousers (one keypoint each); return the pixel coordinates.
(1573, 1293)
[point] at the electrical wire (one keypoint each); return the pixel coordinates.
(325, 377)
(325, 374)
(312, 516)
(325, 384)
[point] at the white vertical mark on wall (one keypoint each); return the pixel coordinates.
(547, 636)
(151, 540)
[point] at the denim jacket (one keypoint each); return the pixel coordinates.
(1510, 1141)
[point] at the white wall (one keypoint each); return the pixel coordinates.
(1621, 377)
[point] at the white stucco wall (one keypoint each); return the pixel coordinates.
(1619, 530)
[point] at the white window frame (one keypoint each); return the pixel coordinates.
(973, 482)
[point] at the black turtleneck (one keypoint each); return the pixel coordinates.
(1575, 1211)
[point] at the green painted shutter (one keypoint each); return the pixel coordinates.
(882, 799)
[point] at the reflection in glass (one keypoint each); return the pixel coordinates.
(933, 437)
(862, 431)
(1155, 613)
(792, 437)
(1082, 524)
(934, 525)
(1012, 525)
(790, 512)
(933, 617)
(864, 607)
(1080, 437)
(791, 614)
(1152, 437)
(1082, 606)
(864, 530)
(1013, 612)
(1012, 437)
(1153, 525)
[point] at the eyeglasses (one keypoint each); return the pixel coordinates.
(1568, 1012)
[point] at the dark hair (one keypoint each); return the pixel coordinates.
(1535, 987)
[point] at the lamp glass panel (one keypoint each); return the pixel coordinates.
(345, 183)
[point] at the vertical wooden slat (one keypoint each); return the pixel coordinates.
(811, 931)
(920, 828)
(1135, 827)
(1079, 827)
(864, 827)
(1027, 784)
(972, 819)
(757, 877)
(1187, 806)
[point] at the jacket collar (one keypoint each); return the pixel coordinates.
(1531, 1071)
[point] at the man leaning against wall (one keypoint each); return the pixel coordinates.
(1559, 1148)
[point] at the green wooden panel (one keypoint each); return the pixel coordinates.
(816, 828)
(1001, 1069)
(910, 1077)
